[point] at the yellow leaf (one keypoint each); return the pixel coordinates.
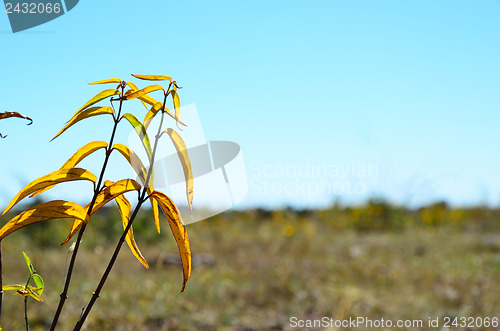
(177, 105)
(113, 191)
(125, 207)
(14, 287)
(77, 224)
(83, 152)
(152, 113)
(156, 212)
(178, 230)
(144, 91)
(154, 110)
(42, 212)
(141, 171)
(106, 195)
(180, 146)
(146, 98)
(81, 115)
(33, 294)
(106, 81)
(134, 88)
(58, 176)
(76, 158)
(100, 96)
(134, 161)
(153, 77)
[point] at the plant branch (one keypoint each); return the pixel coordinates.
(26, 312)
(1, 281)
(141, 200)
(97, 188)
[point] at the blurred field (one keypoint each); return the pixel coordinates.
(254, 270)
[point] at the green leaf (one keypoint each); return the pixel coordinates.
(141, 131)
(38, 282)
(28, 263)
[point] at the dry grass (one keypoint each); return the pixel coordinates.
(265, 271)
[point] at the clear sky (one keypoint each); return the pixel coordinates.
(328, 99)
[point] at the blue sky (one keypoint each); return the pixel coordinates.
(407, 89)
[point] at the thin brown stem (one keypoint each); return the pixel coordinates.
(97, 188)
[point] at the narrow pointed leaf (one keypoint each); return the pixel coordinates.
(38, 282)
(76, 158)
(125, 207)
(99, 97)
(141, 171)
(152, 113)
(156, 212)
(147, 99)
(177, 105)
(144, 91)
(180, 146)
(113, 191)
(154, 110)
(42, 212)
(9, 114)
(13, 287)
(83, 114)
(58, 176)
(106, 195)
(141, 131)
(178, 230)
(28, 263)
(83, 152)
(153, 77)
(134, 88)
(32, 294)
(77, 224)
(107, 81)
(134, 161)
